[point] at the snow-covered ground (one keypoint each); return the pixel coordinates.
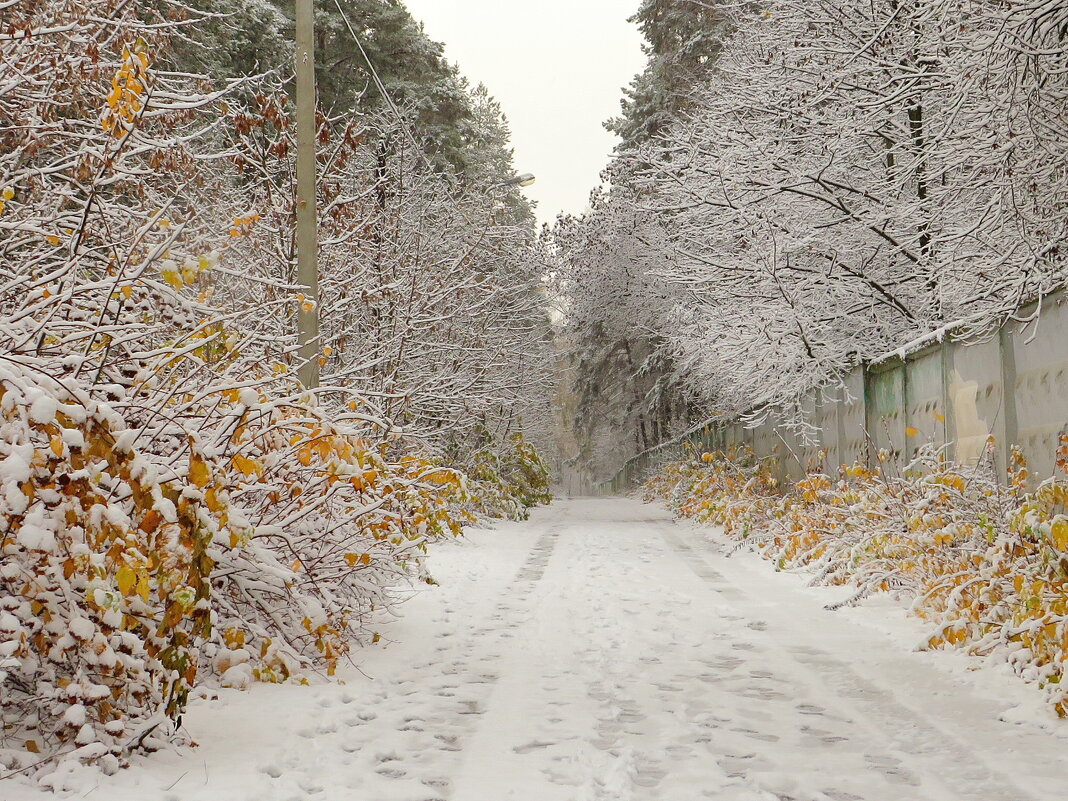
(603, 652)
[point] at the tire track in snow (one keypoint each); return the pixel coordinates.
(406, 736)
(538, 558)
(957, 766)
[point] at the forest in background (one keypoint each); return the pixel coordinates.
(803, 187)
(178, 508)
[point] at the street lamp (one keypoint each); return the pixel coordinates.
(523, 179)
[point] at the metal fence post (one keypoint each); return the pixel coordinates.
(1007, 351)
(840, 413)
(949, 424)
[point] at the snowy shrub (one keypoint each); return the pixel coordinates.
(508, 484)
(984, 561)
(321, 523)
(177, 508)
(104, 584)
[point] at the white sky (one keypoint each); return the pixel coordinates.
(558, 68)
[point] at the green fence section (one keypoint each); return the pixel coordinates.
(1009, 386)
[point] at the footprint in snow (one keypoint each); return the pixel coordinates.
(534, 745)
(649, 778)
(841, 795)
(669, 688)
(755, 735)
(761, 694)
(308, 785)
(448, 742)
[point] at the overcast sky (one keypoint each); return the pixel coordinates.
(558, 67)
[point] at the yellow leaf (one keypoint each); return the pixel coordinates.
(1059, 531)
(126, 291)
(32, 747)
(247, 466)
(8, 193)
(199, 474)
(911, 432)
(143, 588)
(211, 498)
(941, 418)
(125, 579)
(57, 446)
(151, 521)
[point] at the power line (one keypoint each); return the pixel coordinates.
(382, 88)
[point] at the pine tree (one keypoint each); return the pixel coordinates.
(683, 38)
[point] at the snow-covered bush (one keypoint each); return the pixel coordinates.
(321, 523)
(104, 583)
(508, 484)
(983, 560)
(177, 507)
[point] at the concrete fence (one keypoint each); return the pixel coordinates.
(954, 392)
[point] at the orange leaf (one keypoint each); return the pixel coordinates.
(151, 521)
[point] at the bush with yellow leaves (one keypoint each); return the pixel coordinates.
(104, 584)
(320, 524)
(137, 562)
(177, 508)
(985, 561)
(510, 481)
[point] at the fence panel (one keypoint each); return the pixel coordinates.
(852, 416)
(975, 393)
(948, 392)
(885, 401)
(808, 447)
(925, 414)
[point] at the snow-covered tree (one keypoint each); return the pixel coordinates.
(682, 40)
(852, 175)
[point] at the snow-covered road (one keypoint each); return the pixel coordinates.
(603, 652)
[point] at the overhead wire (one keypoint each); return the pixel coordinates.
(382, 88)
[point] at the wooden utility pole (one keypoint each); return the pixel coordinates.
(307, 240)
